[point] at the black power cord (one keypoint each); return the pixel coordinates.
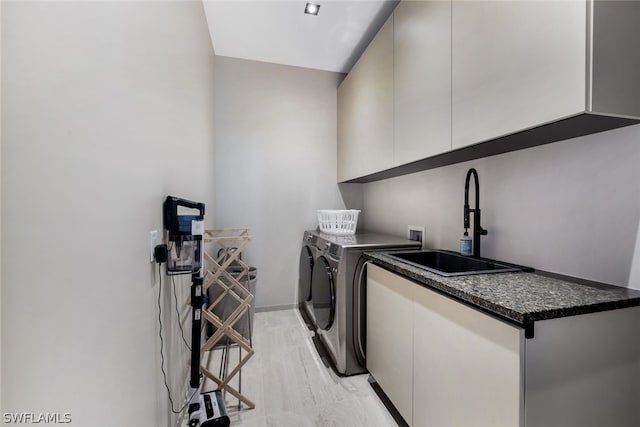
(175, 298)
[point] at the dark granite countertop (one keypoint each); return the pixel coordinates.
(521, 298)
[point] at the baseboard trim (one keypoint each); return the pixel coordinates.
(275, 307)
(387, 402)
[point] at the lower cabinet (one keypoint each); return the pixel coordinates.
(466, 365)
(390, 336)
(444, 363)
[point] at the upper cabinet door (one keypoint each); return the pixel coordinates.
(365, 110)
(422, 79)
(348, 158)
(515, 65)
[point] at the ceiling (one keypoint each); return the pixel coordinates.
(279, 31)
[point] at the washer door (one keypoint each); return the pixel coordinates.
(360, 311)
(323, 293)
(304, 274)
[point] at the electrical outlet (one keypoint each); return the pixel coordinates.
(416, 232)
(153, 242)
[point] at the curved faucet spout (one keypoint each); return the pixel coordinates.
(477, 228)
(470, 172)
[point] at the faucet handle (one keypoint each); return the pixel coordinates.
(466, 216)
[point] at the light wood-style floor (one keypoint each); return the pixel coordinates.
(291, 386)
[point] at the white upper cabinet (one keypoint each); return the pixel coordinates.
(365, 110)
(614, 58)
(516, 64)
(422, 79)
(444, 75)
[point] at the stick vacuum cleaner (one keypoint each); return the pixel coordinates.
(185, 255)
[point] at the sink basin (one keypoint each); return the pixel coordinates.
(451, 264)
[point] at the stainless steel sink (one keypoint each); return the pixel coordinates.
(451, 264)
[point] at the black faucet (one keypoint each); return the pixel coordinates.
(477, 228)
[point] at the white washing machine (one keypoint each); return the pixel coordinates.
(338, 296)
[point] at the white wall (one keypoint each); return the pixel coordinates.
(0, 203)
(571, 207)
(106, 108)
(275, 163)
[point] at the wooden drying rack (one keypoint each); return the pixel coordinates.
(232, 241)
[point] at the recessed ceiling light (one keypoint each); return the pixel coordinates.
(311, 9)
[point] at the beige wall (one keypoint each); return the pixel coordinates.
(106, 108)
(275, 163)
(1, 38)
(571, 207)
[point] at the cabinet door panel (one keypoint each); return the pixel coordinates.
(581, 371)
(390, 336)
(515, 65)
(365, 110)
(467, 366)
(348, 157)
(422, 79)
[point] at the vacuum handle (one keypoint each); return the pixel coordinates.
(187, 204)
